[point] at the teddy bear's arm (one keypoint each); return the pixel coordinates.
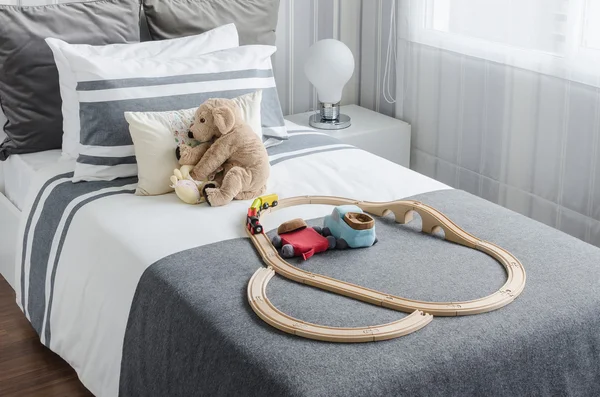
(214, 158)
(192, 155)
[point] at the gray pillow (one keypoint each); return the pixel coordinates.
(29, 90)
(255, 20)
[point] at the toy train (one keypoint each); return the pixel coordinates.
(259, 204)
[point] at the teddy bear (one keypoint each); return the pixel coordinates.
(227, 143)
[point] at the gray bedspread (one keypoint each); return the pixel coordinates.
(192, 332)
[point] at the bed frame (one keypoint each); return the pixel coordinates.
(403, 210)
(9, 226)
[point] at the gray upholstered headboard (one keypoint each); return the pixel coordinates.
(144, 36)
(144, 33)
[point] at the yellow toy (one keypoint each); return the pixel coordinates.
(259, 204)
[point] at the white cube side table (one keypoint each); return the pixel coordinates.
(374, 132)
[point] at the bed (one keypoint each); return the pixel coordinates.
(16, 175)
(146, 295)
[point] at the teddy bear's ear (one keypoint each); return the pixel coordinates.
(224, 118)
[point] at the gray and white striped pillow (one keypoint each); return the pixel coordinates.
(107, 87)
(220, 38)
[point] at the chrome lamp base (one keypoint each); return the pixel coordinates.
(329, 118)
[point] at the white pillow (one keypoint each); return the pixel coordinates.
(155, 136)
(217, 39)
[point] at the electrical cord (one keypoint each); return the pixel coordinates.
(391, 58)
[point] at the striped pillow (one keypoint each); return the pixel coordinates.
(223, 37)
(108, 87)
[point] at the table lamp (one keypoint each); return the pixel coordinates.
(329, 65)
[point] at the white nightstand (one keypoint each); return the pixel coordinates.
(374, 132)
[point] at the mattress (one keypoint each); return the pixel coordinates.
(19, 170)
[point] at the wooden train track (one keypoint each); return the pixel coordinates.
(432, 221)
(274, 317)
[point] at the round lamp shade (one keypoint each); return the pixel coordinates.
(329, 65)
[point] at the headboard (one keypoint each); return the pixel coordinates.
(326, 19)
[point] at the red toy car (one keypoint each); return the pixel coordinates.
(296, 238)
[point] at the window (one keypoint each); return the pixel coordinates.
(556, 37)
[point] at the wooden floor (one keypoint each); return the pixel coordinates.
(27, 368)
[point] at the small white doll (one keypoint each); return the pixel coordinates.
(188, 190)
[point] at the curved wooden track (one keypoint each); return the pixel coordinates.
(403, 210)
(274, 317)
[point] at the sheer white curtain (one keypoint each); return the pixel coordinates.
(504, 99)
(557, 37)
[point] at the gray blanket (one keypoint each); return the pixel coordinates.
(192, 332)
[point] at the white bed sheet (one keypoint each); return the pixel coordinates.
(120, 236)
(19, 171)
